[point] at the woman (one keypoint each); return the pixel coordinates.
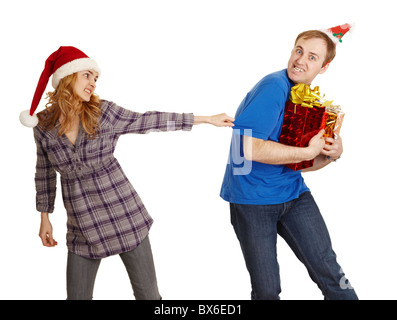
(76, 136)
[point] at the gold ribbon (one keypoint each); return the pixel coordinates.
(302, 94)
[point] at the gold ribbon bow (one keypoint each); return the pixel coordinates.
(302, 94)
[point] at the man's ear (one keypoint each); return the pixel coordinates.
(325, 67)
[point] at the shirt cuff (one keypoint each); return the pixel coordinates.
(187, 121)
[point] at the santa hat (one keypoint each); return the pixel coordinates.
(60, 64)
(336, 33)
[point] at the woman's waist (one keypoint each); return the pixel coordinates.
(87, 170)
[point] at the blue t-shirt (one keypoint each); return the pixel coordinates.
(261, 115)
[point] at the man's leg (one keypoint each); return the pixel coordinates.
(304, 229)
(256, 229)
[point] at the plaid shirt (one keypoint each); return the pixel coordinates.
(105, 214)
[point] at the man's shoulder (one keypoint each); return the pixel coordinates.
(276, 84)
(276, 79)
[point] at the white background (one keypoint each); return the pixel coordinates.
(202, 57)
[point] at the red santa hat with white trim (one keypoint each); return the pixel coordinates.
(60, 64)
(336, 33)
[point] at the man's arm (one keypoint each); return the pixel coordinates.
(271, 152)
(319, 162)
(331, 152)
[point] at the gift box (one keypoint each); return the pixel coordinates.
(332, 121)
(299, 126)
(305, 114)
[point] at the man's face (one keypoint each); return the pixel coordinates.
(307, 59)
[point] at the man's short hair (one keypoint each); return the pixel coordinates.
(331, 48)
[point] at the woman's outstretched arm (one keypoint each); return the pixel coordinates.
(219, 120)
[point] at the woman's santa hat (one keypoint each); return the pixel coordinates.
(336, 33)
(60, 64)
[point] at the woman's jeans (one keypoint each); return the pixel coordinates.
(300, 223)
(81, 273)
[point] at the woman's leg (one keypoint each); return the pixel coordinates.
(140, 267)
(80, 277)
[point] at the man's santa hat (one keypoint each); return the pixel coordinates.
(336, 33)
(60, 64)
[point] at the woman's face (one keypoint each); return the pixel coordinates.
(85, 84)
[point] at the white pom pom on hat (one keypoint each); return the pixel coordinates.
(60, 64)
(28, 120)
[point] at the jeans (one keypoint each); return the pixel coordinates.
(81, 273)
(300, 223)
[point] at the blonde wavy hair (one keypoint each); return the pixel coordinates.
(64, 101)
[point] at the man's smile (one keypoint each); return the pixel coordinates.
(298, 69)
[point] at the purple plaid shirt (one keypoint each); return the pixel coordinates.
(105, 214)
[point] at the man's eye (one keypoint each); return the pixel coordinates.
(312, 58)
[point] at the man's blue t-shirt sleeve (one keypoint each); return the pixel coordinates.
(262, 110)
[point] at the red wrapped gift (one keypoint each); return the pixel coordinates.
(299, 126)
(303, 118)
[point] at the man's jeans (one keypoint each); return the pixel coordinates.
(81, 273)
(300, 223)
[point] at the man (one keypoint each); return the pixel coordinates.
(267, 198)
